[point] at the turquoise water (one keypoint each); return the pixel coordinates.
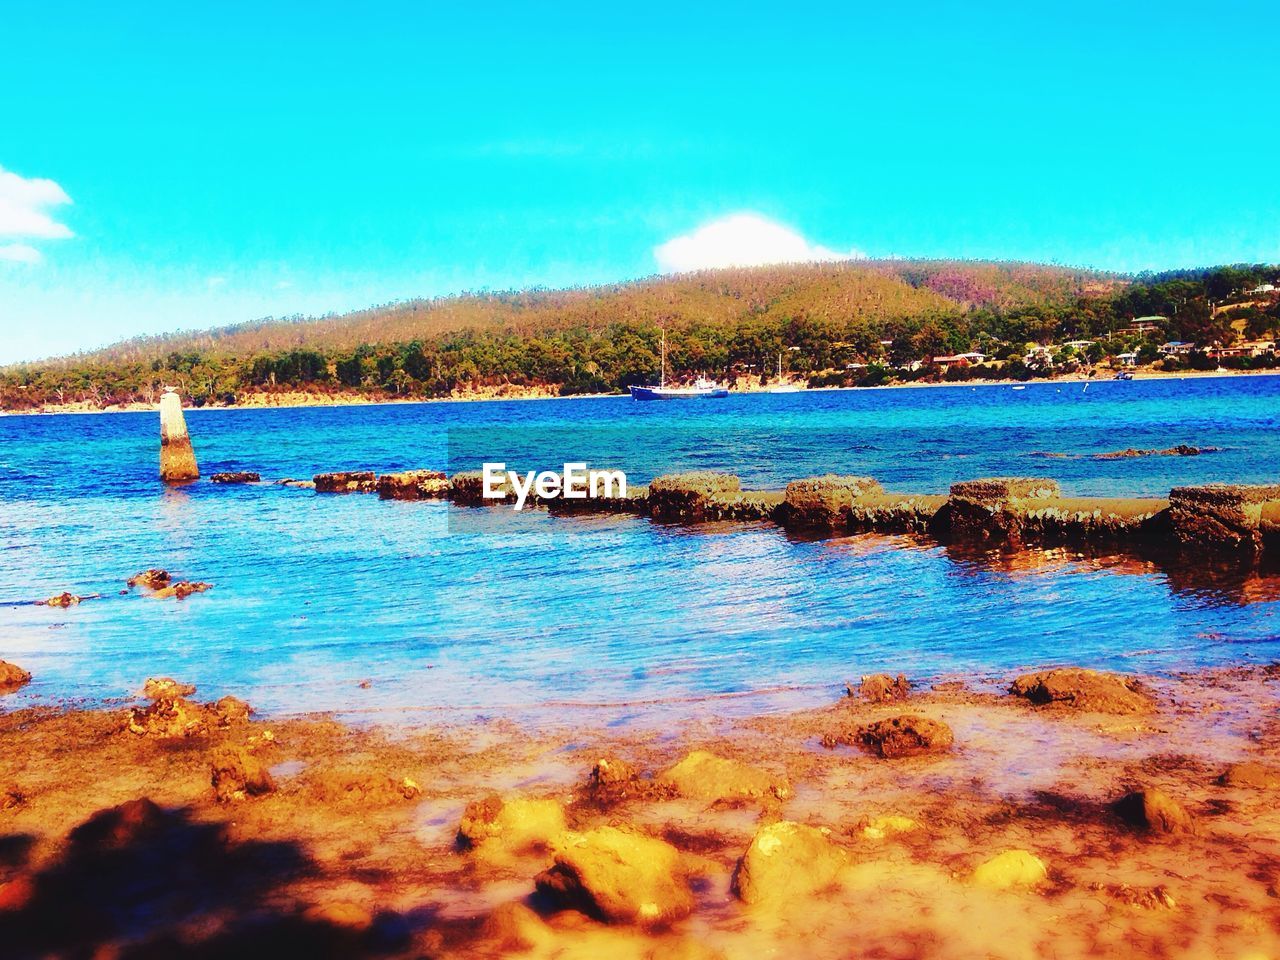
(459, 613)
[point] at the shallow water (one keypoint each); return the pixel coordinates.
(462, 613)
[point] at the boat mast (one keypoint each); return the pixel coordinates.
(662, 381)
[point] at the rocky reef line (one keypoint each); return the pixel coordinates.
(1237, 521)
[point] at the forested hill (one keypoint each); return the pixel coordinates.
(827, 318)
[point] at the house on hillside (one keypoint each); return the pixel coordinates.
(1127, 359)
(1144, 325)
(1263, 288)
(960, 360)
(1176, 348)
(1079, 345)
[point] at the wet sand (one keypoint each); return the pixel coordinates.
(355, 852)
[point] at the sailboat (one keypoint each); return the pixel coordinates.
(702, 388)
(781, 387)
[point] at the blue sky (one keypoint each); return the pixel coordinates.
(173, 166)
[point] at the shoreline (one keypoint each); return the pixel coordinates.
(998, 831)
(304, 400)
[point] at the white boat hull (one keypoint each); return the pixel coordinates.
(678, 393)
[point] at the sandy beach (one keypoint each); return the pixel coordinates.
(987, 824)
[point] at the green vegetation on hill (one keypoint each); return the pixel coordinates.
(843, 323)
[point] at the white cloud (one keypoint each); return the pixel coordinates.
(20, 253)
(741, 240)
(24, 204)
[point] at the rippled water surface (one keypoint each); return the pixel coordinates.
(462, 613)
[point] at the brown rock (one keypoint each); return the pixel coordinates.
(1011, 869)
(181, 590)
(618, 875)
(347, 481)
(1220, 516)
(1085, 690)
(61, 600)
(691, 496)
(905, 736)
(116, 828)
(704, 776)
(468, 487)
(152, 579)
(612, 780)
(157, 688)
(237, 775)
(1155, 811)
(516, 824)
(989, 510)
(239, 476)
(413, 485)
(1250, 775)
(513, 927)
(824, 502)
(785, 861)
(879, 688)
(168, 718)
(12, 677)
(231, 710)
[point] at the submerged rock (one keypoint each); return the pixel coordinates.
(11, 798)
(877, 828)
(1155, 811)
(516, 824)
(1085, 690)
(157, 688)
(1251, 775)
(346, 481)
(879, 688)
(181, 590)
(300, 484)
(12, 677)
(704, 776)
(1009, 870)
(237, 774)
(413, 485)
(152, 579)
(1181, 450)
(240, 476)
(619, 876)
(63, 599)
(908, 735)
(787, 860)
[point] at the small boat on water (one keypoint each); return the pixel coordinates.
(702, 389)
(1124, 375)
